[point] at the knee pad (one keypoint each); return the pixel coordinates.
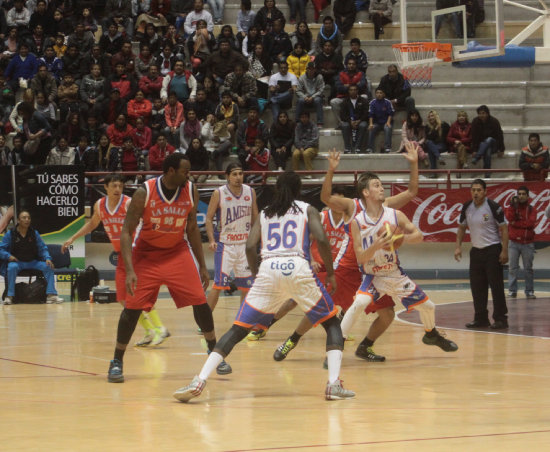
(203, 317)
(335, 340)
(362, 301)
(235, 335)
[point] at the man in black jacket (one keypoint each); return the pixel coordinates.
(487, 138)
(344, 14)
(354, 115)
(397, 89)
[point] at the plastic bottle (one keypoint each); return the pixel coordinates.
(91, 296)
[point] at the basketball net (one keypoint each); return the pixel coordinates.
(416, 61)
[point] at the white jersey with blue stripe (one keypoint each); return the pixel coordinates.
(383, 262)
(234, 215)
(287, 235)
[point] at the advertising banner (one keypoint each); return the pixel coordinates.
(436, 212)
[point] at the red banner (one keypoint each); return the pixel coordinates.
(437, 212)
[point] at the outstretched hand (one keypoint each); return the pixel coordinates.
(412, 152)
(333, 159)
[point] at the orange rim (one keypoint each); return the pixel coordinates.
(441, 51)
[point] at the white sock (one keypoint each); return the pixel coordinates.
(427, 314)
(334, 360)
(353, 313)
(214, 359)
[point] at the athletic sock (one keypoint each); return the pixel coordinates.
(214, 359)
(145, 322)
(295, 337)
(211, 344)
(431, 333)
(334, 360)
(367, 342)
(155, 319)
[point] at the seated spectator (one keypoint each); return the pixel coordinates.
(281, 138)
(380, 118)
(16, 120)
(151, 39)
(455, 18)
(310, 93)
(120, 13)
(344, 15)
(7, 101)
(380, 12)
(41, 16)
(142, 135)
(459, 138)
(166, 59)
(38, 41)
(303, 36)
(487, 138)
(344, 79)
(159, 152)
(230, 111)
(151, 83)
(127, 157)
(71, 129)
(67, 96)
(112, 107)
(260, 67)
(143, 61)
(197, 14)
(111, 40)
(9, 156)
(18, 16)
(354, 113)
(199, 159)
(436, 138)
(329, 32)
(397, 89)
(179, 82)
(62, 154)
(202, 106)
(227, 33)
(222, 62)
(277, 42)
(190, 128)
(359, 55)
(54, 65)
(329, 64)
(217, 139)
(92, 88)
(72, 62)
(59, 47)
(87, 155)
(297, 61)
(245, 20)
(84, 40)
(23, 249)
(413, 131)
(252, 38)
(87, 18)
(95, 57)
(93, 129)
(257, 160)
(306, 143)
(44, 82)
(249, 129)
(37, 132)
(282, 87)
(104, 152)
(158, 119)
(534, 159)
(176, 40)
(139, 107)
(119, 130)
(10, 45)
(212, 94)
(241, 85)
(267, 15)
(173, 115)
(21, 69)
(201, 44)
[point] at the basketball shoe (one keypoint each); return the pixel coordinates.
(434, 337)
(336, 391)
(256, 335)
(194, 389)
(147, 339)
(368, 354)
(8, 300)
(283, 350)
(161, 334)
(115, 372)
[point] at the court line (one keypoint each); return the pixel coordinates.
(49, 367)
(393, 441)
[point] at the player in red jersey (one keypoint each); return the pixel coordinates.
(111, 210)
(167, 206)
(347, 273)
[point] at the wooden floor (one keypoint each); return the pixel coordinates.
(493, 394)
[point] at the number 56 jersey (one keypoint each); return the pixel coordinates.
(287, 235)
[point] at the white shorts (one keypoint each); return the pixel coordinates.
(231, 260)
(279, 279)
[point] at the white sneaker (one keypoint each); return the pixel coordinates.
(160, 337)
(194, 389)
(336, 391)
(280, 169)
(147, 339)
(51, 298)
(8, 300)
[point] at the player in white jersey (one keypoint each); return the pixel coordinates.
(284, 228)
(234, 206)
(382, 273)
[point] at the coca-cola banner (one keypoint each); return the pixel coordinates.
(437, 212)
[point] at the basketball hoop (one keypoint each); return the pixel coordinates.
(416, 60)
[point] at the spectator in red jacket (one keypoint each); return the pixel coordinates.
(521, 218)
(119, 130)
(139, 107)
(534, 159)
(151, 83)
(173, 115)
(142, 135)
(459, 138)
(159, 152)
(257, 159)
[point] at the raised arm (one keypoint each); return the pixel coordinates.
(336, 203)
(86, 229)
(194, 237)
(400, 200)
(209, 223)
(412, 233)
(131, 222)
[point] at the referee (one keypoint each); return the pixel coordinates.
(485, 218)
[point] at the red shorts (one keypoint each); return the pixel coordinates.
(348, 281)
(120, 279)
(174, 268)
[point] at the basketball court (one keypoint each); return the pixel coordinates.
(492, 393)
